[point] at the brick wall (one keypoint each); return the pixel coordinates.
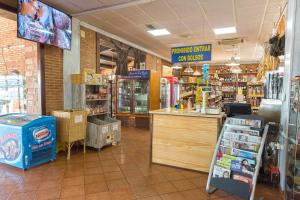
(87, 49)
(54, 91)
(19, 55)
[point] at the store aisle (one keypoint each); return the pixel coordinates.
(120, 172)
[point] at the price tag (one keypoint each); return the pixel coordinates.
(115, 127)
(78, 119)
(105, 129)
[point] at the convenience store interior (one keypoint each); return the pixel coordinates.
(149, 99)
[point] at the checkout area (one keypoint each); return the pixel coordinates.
(183, 138)
(187, 139)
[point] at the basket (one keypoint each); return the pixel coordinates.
(102, 133)
(115, 129)
(71, 127)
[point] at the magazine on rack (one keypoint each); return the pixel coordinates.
(248, 146)
(241, 137)
(243, 153)
(220, 172)
(243, 130)
(246, 122)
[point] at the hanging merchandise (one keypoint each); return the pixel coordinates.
(273, 85)
(205, 72)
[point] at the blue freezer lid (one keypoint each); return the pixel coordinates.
(18, 119)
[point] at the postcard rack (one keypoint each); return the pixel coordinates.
(237, 157)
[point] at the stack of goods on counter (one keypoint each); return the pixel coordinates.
(238, 150)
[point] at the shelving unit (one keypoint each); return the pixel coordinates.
(255, 92)
(93, 97)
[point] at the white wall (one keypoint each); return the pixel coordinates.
(71, 63)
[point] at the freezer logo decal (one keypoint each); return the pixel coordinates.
(10, 147)
(41, 134)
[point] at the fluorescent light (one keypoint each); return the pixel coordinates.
(225, 30)
(159, 32)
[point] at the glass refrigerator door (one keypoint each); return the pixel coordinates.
(124, 95)
(163, 93)
(140, 103)
(293, 153)
(175, 94)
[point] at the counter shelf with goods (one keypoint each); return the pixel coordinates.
(255, 94)
(236, 161)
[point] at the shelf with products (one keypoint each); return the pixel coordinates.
(92, 96)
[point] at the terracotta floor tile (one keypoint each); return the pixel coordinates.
(112, 168)
(92, 170)
(182, 185)
(156, 178)
(119, 184)
(44, 185)
(4, 195)
(172, 176)
(151, 198)
(113, 176)
(111, 162)
(122, 194)
(99, 196)
(144, 191)
(72, 191)
(23, 196)
(140, 180)
(173, 196)
(28, 187)
(199, 182)
(122, 172)
(48, 194)
(164, 188)
(194, 194)
(80, 197)
(95, 188)
(79, 180)
(94, 178)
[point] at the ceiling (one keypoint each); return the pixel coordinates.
(190, 22)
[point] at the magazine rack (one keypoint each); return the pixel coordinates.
(235, 187)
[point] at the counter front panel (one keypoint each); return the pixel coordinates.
(184, 141)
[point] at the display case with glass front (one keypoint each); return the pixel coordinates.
(124, 95)
(293, 152)
(140, 104)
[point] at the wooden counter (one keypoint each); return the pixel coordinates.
(184, 139)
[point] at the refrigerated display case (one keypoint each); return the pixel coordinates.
(140, 99)
(137, 93)
(124, 95)
(293, 153)
(165, 93)
(27, 140)
(173, 89)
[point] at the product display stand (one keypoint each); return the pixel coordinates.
(241, 188)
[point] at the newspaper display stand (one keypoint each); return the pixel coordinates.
(237, 157)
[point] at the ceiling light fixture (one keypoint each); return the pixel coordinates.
(159, 32)
(197, 73)
(176, 66)
(188, 70)
(225, 30)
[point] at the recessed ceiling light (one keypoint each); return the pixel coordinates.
(225, 30)
(159, 32)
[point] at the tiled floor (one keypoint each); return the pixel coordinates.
(119, 172)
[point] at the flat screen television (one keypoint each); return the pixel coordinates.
(41, 23)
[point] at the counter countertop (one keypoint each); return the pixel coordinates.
(185, 113)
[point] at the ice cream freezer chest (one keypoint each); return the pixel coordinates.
(27, 140)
